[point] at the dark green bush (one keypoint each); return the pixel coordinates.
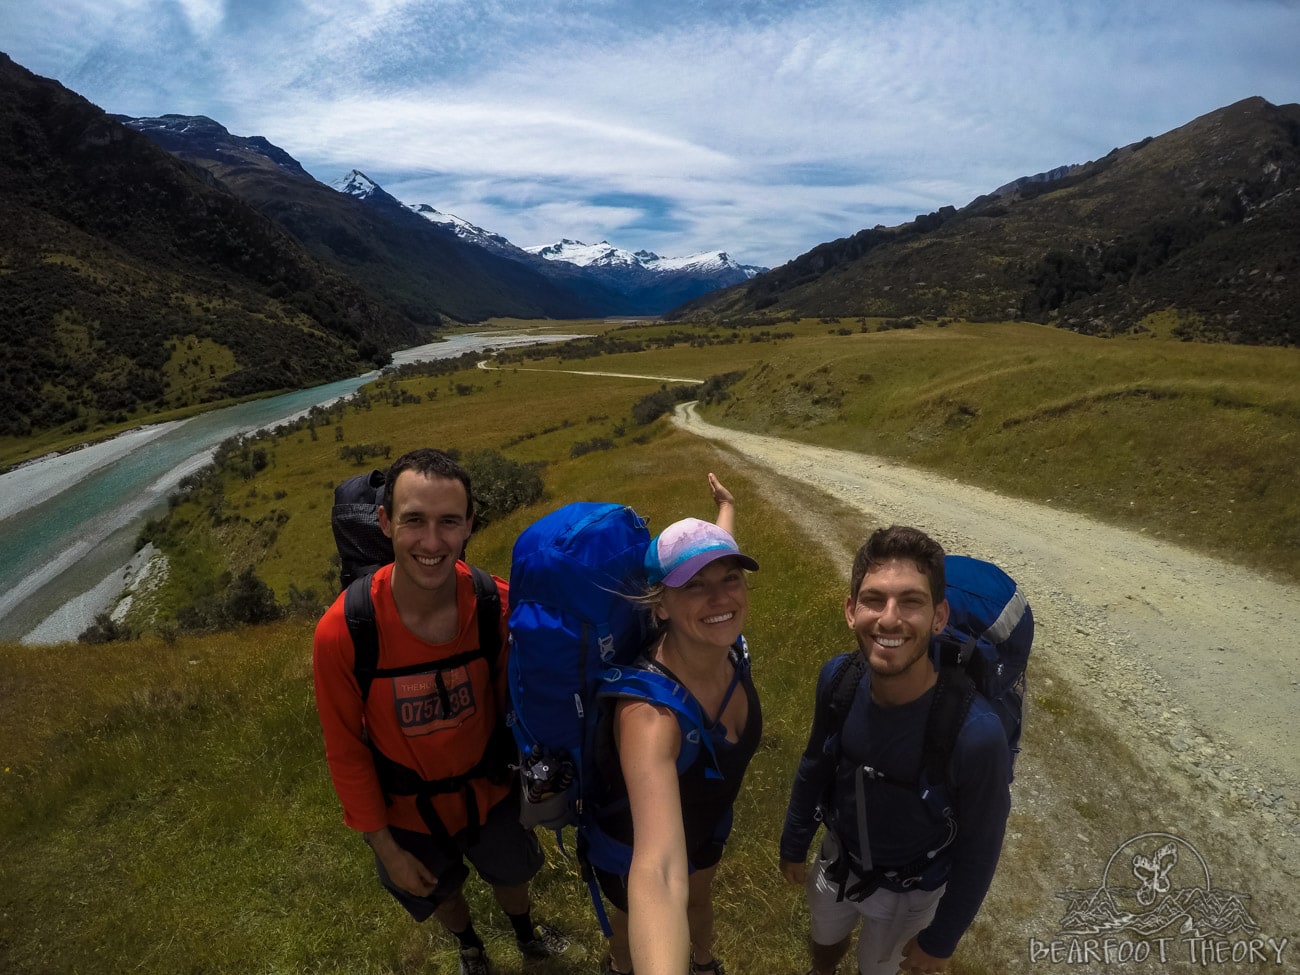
(500, 485)
(588, 446)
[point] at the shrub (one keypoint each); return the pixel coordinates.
(500, 485)
(304, 603)
(104, 630)
(588, 446)
(251, 600)
(246, 599)
(714, 389)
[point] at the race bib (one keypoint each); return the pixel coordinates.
(428, 703)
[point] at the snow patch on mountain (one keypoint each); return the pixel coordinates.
(606, 255)
(465, 230)
(358, 184)
(626, 282)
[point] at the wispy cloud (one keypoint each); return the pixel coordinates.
(760, 126)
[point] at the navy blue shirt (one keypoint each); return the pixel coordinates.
(900, 824)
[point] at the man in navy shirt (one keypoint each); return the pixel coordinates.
(917, 878)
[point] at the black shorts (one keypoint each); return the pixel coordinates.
(505, 855)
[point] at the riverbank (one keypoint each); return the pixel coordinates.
(115, 592)
(69, 520)
(36, 480)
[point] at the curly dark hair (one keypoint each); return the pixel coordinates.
(901, 542)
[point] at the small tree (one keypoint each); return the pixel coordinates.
(500, 485)
(251, 600)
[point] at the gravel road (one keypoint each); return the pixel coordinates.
(1195, 655)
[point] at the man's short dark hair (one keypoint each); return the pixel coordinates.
(900, 542)
(428, 462)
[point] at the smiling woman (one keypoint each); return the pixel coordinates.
(678, 820)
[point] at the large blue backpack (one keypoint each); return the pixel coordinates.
(575, 631)
(989, 635)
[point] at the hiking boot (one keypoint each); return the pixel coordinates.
(607, 968)
(545, 943)
(474, 961)
(714, 967)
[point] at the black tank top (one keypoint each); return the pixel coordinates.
(706, 802)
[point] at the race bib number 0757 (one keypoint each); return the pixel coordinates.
(423, 707)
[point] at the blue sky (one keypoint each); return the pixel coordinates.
(759, 127)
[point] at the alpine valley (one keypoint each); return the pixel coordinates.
(156, 264)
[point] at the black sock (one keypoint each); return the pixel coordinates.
(523, 925)
(469, 938)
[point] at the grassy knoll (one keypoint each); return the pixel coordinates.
(185, 791)
(165, 807)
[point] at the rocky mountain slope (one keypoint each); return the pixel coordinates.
(628, 283)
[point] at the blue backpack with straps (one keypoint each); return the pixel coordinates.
(989, 635)
(576, 630)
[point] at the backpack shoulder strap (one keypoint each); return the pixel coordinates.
(954, 691)
(841, 691)
(488, 599)
(359, 612)
(656, 687)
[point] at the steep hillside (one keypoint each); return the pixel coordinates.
(131, 282)
(420, 266)
(1199, 227)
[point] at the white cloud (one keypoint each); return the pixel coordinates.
(204, 16)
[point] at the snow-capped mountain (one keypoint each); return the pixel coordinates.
(358, 184)
(467, 231)
(625, 282)
(607, 255)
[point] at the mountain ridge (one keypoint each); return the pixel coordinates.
(624, 282)
(1199, 227)
(424, 271)
(134, 283)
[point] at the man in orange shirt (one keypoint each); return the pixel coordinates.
(417, 746)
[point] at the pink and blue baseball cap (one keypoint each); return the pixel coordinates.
(685, 547)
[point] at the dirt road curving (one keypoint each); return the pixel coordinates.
(1198, 655)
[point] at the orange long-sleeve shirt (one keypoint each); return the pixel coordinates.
(403, 716)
